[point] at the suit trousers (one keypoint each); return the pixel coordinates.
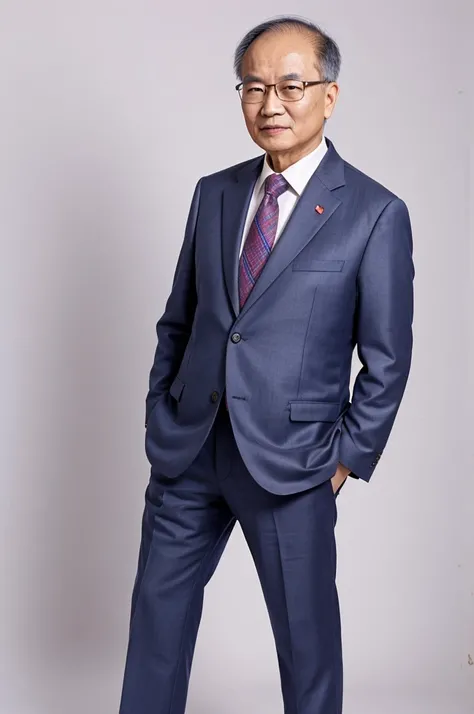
(186, 524)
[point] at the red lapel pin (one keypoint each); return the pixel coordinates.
(319, 209)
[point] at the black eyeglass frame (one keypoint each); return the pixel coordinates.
(240, 85)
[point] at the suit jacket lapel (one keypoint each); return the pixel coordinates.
(235, 203)
(303, 224)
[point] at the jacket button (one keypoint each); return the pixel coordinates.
(214, 396)
(236, 337)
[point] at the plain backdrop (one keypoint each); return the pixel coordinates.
(105, 127)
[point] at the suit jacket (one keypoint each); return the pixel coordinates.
(335, 281)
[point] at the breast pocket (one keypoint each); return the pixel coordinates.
(333, 266)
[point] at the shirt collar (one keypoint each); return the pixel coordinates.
(299, 173)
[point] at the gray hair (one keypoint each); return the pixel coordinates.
(327, 52)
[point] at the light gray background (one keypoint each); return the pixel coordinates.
(105, 130)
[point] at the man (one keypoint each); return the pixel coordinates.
(289, 261)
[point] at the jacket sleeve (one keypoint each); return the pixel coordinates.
(383, 334)
(173, 329)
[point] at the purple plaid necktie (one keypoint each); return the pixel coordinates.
(261, 236)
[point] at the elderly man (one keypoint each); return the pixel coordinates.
(289, 261)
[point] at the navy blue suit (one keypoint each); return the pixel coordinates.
(336, 280)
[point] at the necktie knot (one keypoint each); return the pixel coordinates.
(275, 185)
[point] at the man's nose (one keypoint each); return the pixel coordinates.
(271, 103)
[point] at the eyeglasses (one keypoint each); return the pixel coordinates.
(289, 90)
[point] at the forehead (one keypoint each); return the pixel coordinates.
(277, 54)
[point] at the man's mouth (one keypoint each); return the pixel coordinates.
(274, 129)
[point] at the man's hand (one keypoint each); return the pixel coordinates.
(339, 477)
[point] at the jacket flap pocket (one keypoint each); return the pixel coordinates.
(176, 388)
(323, 265)
(314, 411)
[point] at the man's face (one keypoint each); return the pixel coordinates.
(270, 58)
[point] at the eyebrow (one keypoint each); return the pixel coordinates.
(255, 78)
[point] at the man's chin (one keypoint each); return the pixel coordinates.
(279, 142)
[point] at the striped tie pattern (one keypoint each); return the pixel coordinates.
(261, 236)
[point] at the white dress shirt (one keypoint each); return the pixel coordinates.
(297, 175)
